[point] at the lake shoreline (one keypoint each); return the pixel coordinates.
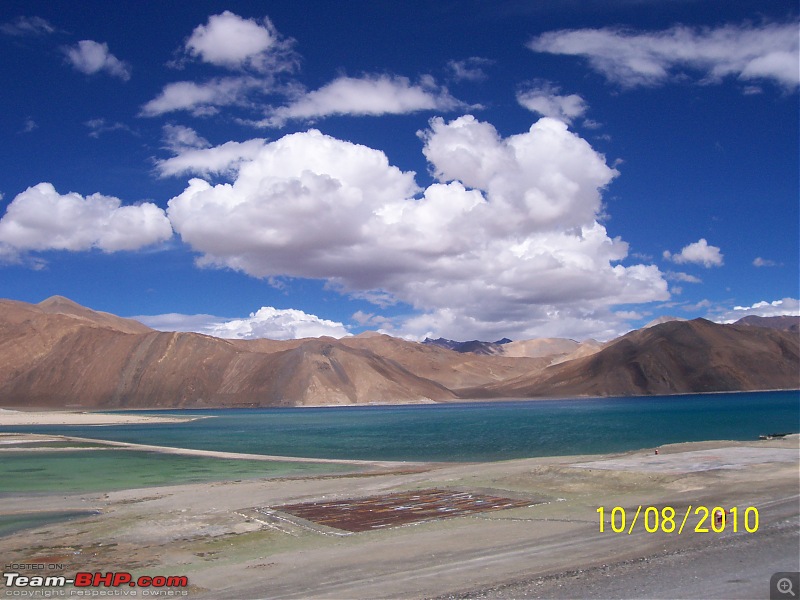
(41, 414)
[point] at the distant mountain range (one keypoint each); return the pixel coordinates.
(59, 354)
(474, 346)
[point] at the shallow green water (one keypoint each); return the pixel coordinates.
(108, 470)
(18, 522)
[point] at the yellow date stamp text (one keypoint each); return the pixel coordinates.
(667, 520)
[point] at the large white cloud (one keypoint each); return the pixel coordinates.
(749, 52)
(364, 96)
(42, 219)
(506, 238)
(300, 207)
(228, 40)
(699, 252)
(91, 57)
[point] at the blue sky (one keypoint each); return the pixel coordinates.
(457, 169)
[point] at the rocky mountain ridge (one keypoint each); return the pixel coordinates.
(60, 354)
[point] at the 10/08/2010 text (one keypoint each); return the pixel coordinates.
(713, 520)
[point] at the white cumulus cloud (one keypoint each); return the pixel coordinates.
(42, 219)
(278, 324)
(267, 322)
(748, 52)
(546, 177)
(506, 239)
(228, 40)
(90, 57)
(545, 99)
(364, 96)
(699, 253)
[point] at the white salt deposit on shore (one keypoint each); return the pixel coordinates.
(10, 418)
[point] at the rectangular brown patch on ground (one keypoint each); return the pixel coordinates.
(391, 510)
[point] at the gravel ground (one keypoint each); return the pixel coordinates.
(736, 566)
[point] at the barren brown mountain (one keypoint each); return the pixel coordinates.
(671, 358)
(60, 354)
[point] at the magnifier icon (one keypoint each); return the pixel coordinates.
(784, 586)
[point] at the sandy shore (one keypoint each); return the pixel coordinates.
(232, 540)
(19, 417)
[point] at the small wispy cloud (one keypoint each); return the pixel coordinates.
(469, 69)
(748, 52)
(29, 125)
(202, 99)
(764, 262)
(683, 277)
(90, 57)
(371, 95)
(544, 98)
(27, 26)
(700, 253)
(99, 126)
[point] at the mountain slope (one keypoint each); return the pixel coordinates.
(784, 323)
(65, 306)
(670, 358)
(450, 368)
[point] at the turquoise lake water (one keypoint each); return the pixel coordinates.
(481, 431)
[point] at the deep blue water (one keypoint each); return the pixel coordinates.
(467, 431)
